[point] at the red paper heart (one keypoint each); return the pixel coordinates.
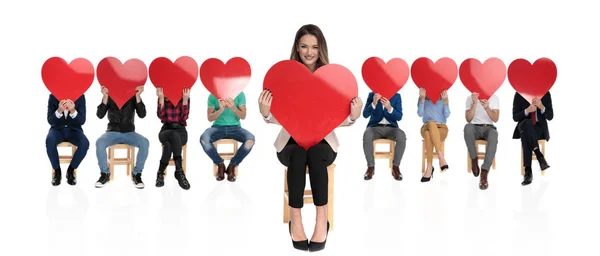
(173, 77)
(67, 80)
(385, 78)
(310, 106)
(121, 79)
(532, 81)
(225, 80)
(484, 79)
(434, 77)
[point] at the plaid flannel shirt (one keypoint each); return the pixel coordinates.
(172, 114)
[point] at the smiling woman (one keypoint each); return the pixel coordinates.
(310, 47)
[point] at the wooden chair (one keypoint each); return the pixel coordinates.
(129, 160)
(183, 160)
(308, 196)
(66, 159)
(389, 154)
(226, 155)
(542, 144)
(424, 156)
(480, 154)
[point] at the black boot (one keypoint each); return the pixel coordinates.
(541, 159)
(56, 177)
(179, 174)
(160, 175)
(528, 177)
(71, 180)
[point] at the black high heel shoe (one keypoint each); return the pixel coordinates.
(316, 246)
(423, 179)
(300, 245)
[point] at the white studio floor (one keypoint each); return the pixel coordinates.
(449, 215)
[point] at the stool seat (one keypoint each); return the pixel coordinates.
(480, 155)
(308, 199)
(227, 156)
(542, 144)
(129, 160)
(385, 154)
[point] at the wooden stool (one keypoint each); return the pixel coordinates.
(183, 160)
(66, 159)
(542, 144)
(226, 155)
(424, 156)
(385, 154)
(480, 154)
(308, 196)
(129, 160)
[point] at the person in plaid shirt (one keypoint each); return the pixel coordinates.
(173, 135)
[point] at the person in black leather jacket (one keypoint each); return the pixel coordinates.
(121, 130)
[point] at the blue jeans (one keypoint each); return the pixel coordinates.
(237, 133)
(73, 136)
(130, 138)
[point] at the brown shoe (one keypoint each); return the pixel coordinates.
(370, 172)
(220, 172)
(475, 166)
(231, 172)
(396, 173)
(483, 182)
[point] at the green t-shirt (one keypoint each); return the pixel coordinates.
(227, 118)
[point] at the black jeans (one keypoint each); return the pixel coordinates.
(172, 137)
(530, 134)
(317, 157)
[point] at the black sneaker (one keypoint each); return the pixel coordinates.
(104, 178)
(137, 180)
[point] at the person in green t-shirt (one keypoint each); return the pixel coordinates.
(225, 115)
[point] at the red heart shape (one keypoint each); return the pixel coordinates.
(310, 106)
(532, 81)
(225, 80)
(121, 79)
(67, 80)
(434, 77)
(484, 79)
(385, 78)
(173, 77)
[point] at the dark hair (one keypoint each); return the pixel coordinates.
(311, 29)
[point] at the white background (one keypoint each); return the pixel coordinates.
(557, 214)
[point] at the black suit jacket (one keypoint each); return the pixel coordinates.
(519, 106)
(60, 123)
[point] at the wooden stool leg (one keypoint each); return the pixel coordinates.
(522, 163)
(129, 172)
(132, 157)
(330, 201)
(286, 207)
(423, 159)
(111, 160)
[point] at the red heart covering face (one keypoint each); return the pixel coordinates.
(67, 81)
(225, 80)
(310, 106)
(121, 79)
(385, 78)
(173, 77)
(532, 81)
(484, 79)
(434, 77)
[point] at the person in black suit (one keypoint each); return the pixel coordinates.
(532, 126)
(66, 118)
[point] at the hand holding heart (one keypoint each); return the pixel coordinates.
(70, 106)
(474, 97)
(186, 95)
(62, 105)
(264, 103)
(355, 108)
(139, 90)
(532, 108)
(485, 104)
(386, 103)
(538, 103)
(376, 98)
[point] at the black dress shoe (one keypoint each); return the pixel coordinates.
(160, 179)
(299, 245)
(528, 177)
(317, 246)
(71, 180)
(56, 178)
(543, 164)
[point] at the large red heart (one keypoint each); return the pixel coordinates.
(121, 79)
(484, 79)
(532, 81)
(434, 77)
(67, 80)
(173, 77)
(385, 78)
(225, 80)
(310, 106)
